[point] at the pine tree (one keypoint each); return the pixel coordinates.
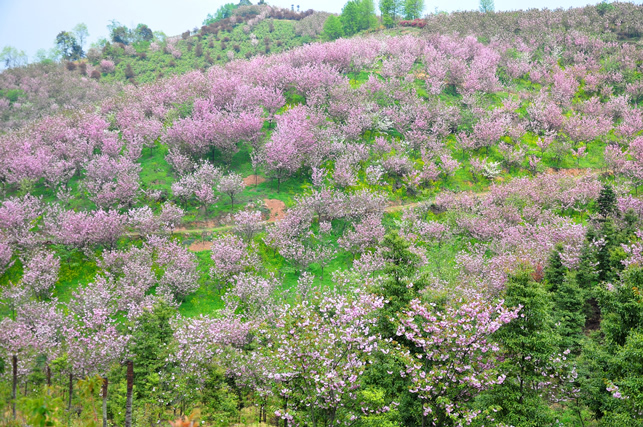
(529, 342)
(555, 271)
(606, 201)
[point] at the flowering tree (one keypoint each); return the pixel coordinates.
(318, 352)
(231, 185)
(41, 273)
(247, 224)
(455, 356)
(231, 256)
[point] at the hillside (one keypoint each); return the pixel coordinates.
(45, 88)
(437, 225)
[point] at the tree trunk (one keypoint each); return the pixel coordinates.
(48, 374)
(71, 389)
(285, 411)
(14, 363)
(130, 386)
(105, 383)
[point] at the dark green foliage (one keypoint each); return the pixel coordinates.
(606, 201)
(68, 46)
(529, 341)
(555, 271)
(609, 253)
(143, 33)
(569, 313)
(119, 33)
(220, 404)
(586, 275)
(614, 357)
(151, 333)
(399, 288)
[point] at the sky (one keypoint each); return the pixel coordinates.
(29, 25)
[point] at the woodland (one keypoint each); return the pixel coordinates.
(286, 218)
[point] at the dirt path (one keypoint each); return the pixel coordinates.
(277, 209)
(252, 180)
(200, 246)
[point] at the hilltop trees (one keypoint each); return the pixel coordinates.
(69, 47)
(357, 15)
(486, 6)
(389, 10)
(333, 28)
(413, 9)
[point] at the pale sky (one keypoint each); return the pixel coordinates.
(30, 25)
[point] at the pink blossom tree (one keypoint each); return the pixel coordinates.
(318, 350)
(231, 185)
(456, 355)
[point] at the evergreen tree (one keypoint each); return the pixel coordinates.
(612, 362)
(586, 275)
(606, 201)
(400, 272)
(609, 253)
(529, 342)
(569, 313)
(555, 271)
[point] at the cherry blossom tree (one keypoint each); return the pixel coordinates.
(231, 185)
(41, 273)
(247, 224)
(318, 351)
(456, 356)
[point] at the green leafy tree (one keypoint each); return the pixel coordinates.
(119, 33)
(555, 271)
(413, 9)
(358, 15)
(609, 253)
(350, 18)
(400, 287)
(81, 33)
(222, 12)
(68, 46)
(389, 10)
(612, 361)
(143, 33)
(586, 274)
(332, 28)
(153, 387)
(12, 57)
(367, 18)
(487, 6)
